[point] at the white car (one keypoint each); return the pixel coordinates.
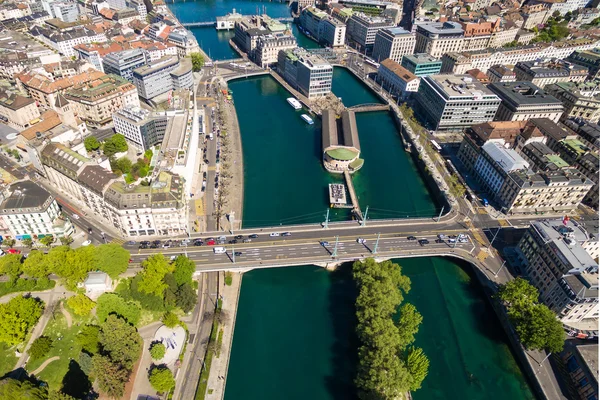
(274, 234)
(75, 216)
(86, 243)
(361, 240)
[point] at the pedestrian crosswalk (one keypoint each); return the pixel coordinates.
(118, 241)
(482, 255)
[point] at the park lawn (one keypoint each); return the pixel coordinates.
(8, 359)
(66, 348)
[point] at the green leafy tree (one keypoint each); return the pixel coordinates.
(10, 264)
(10, 242)
(170, 292)
(157, 351)
(56, 260)
(170, 320)
(418, 367)
(57, 395)
(85, 362)
(12, 389)
(539, 329)
(112, 259)
(115, 144)
(81, 304)
(17, 317)
(518, 293)
(88, 338)
(161, 379)
(47, 240)
(154, 270)
(91, 143)
(111, 376)
(120, 341)
(408, 324)
(40, 347)
(75, 264)
(197, 61)
(110, 303)
(184, 269)
(148, 301)
(66, 240)
(27, 242)
(124, 165)
(186, 297)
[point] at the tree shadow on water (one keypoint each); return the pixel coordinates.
(344, 351)
(76, 383)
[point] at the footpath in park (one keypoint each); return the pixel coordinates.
(218, 369)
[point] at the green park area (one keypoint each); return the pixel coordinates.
(88, 343)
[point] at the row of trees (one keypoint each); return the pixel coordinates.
(537, 325)
(18, 317)
(388, 365)
(70, 264)
(14, 389)
(113, 145)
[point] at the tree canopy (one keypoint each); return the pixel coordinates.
(17, 317)
(161, 378)
(10, 264)
(184, 269)
(91, 143)
(12, 389)
(36, 264)
(81, 304)
(387, 367)
(111, 377)
(115, 144)
(197, 61)
(120, 341)
(157, 351)
(40, 347)
(112, 259)
(110, 303)
(154, 270)
(87, 338)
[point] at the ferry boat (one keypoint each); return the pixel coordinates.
(294, 103)
(307, 119)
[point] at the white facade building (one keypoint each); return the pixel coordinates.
(393, 43)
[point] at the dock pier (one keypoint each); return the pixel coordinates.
(355, 206)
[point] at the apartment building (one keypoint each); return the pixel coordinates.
(501, 73)
(45, 90)
(459, 62)
(438, 38)
(361, 30)
(268, 47)
(453, 102)
(494, 164)
(587, 58)
(17, 111)
(393, 43)
(421, 64)
(95, 101)
(65, 11)
(579, 366)
(184, 41)
(29, 211)
(542, 73)
(397, 80)
(562, 271)
(580, 100)
(562, 6)
(65, 41)
(308, 73)
(322, 27)
(141, 128)
(249, 29)
(122, 63)
(522, 101)
(534, 15)
(134, 210)
(161, 76)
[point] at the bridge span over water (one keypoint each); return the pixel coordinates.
(213, 23)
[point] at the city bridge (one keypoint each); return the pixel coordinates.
(213, 23)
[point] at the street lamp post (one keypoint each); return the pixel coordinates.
(376, 244)
(494, 238)
(499, 269)
(334, 254)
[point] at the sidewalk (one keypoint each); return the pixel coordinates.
(220, 364)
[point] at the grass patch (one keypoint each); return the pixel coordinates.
(219, 343)
(148, 316)
(228, 278)
(64, 345)
(210, 352)
(26, 285)
(8, 359)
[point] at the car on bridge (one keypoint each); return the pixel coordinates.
(237, 253)
(361, 240)
(274, 234)
(253, 236)
(210, 242)
(233, 241)
(286, 234)
(324, 243)
(440, 241)
(423, 242)
(239, 237)
(411, 238)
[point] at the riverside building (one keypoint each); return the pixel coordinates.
(453, 102)
(322, 27)
(542, 73)
(421, 64)
(397, 80)
(522, 101)
(122, 63)
(393, 43)
(268, 47)
(159, 77)
(308, 73)
(361, 30)
(438, 38)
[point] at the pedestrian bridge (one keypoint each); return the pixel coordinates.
(213, 23)
(369, 107)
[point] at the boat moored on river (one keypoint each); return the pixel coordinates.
(294, 103)
(307, 119)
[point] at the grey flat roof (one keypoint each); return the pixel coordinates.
(589, 354)
(24, 195)
(522, 93)
(584, 285)
(422, 58)
(329, 129)
(441, 28)
(350, 130)
(398, 31)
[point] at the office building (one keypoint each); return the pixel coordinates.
(185, 42)
(562, 271)
(268, 47)
(393, 43)
(249, 29)
(29, 212)
(501, 73)
(157, 77)
(122, 63)
(542, 73)
(94, 102)
(438, 38)
(361, 30)
(65, 11)
(580, 100)
(579, 366)
(308, 73)
(453, 102)
(65, 41)
(322, 27)
(140, 128)
(522, 101)
(17, 111)
(397, 80)
(421, 64)
(494, 163)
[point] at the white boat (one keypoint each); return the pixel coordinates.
(307, 119)
(294, 103)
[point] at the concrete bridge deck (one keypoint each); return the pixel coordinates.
(369, 107)
(355, 205)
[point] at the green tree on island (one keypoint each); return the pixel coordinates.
(197, 61)
(388, 366)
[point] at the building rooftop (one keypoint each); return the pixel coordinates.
(508, 159)
(14, 101)
(398, 70)
(522, 93)
(565, 241)
(502, 70)
(440, 28)
(99, 88)
(584, 285)
(461, 87)
(95, 178)
(422, 58)
(589, 355)
(157, 65)
(398, 31)
(25, 196)
(554, 68)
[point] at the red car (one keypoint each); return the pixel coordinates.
(210, 243)
(13, 251)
